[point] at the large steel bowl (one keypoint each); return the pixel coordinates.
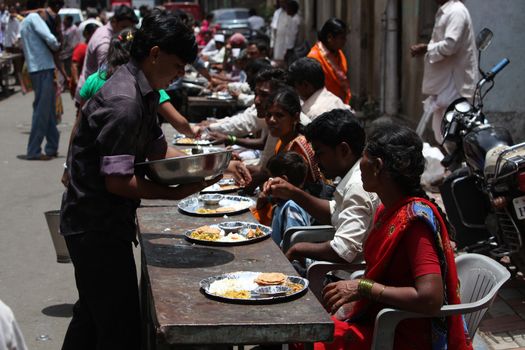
(187, 169)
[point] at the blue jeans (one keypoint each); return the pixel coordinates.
(44, 123)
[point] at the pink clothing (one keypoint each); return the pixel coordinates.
(96, 54)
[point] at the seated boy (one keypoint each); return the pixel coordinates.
(286, 213)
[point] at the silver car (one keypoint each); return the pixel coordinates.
(232, 20)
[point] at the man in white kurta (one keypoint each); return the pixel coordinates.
(451, 66)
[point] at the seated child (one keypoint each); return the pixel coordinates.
(286, 213)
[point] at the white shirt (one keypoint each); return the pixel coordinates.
(451, 52)
(256, 22)
(352, 212)
(210, 48)
(281, 34)
(240, 124)
(10, 335)
(320, 102)
(12, 31)
(294, 32)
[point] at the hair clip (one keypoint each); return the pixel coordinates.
(129, 37)
(119, 37)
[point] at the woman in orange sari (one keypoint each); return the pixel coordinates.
(328, 51)
(284, 110)
(283, 122)
(410, 263)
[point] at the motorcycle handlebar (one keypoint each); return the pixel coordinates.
(494, 71)
(499, 67)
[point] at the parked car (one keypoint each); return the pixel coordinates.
(232, 20)
(76, 13)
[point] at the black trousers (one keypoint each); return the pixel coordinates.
(107, 313)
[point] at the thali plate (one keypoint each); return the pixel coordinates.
(229, 205)
(243, 231)
(244, 280)
(223, 186)
(187, 141)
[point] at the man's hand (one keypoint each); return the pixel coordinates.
(418, 49)
(339, 293)
(240, 172)
(279, 188)
(218, 137)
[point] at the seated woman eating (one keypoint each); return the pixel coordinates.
(282, 119)
(284, 110)
(410, 262)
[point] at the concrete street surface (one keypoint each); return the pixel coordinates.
(39, 290)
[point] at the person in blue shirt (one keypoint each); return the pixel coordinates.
(39, 44)
(286, 213)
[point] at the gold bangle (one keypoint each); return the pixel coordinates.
(364, 287)
(380, 293)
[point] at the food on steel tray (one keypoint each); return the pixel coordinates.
(186, 141)
(206, 233)
(254, 233)
(230, 288)
(215, 211)
(270, 278)
(232, 237)
(295, 287)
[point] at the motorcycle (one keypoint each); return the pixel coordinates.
(485, 197)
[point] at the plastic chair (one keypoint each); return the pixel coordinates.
(480, 279)
(317, 270)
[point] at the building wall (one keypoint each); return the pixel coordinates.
(365, 49)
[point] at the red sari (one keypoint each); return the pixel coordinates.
(390, 228)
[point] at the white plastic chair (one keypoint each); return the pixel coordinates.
(317, 270)
(480, 279)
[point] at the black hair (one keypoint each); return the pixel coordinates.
(209, 16)
(68, 18)
(90, 28)
(91, 12)
(166, 31)
(286, 98)
(335, 127)
(252, 12)
(292, 6)
(184, 17)
(119, 48)
(262, 45)
(401, 150)
(272, 75)
(123, 13)
(333, 26)
(290, 164)
(307, 69)
(55, 4)
(34, 4)
(253, 67)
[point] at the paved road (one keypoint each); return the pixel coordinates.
(38, 289)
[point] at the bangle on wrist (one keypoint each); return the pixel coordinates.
(364, 287)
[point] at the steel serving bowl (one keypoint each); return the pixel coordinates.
(188, 169)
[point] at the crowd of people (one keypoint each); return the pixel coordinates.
(314, 164)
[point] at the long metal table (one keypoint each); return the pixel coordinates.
(179, 314)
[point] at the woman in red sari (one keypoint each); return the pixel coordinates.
(328, 51)
(410, 263)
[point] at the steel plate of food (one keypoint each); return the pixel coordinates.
(254, 287)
